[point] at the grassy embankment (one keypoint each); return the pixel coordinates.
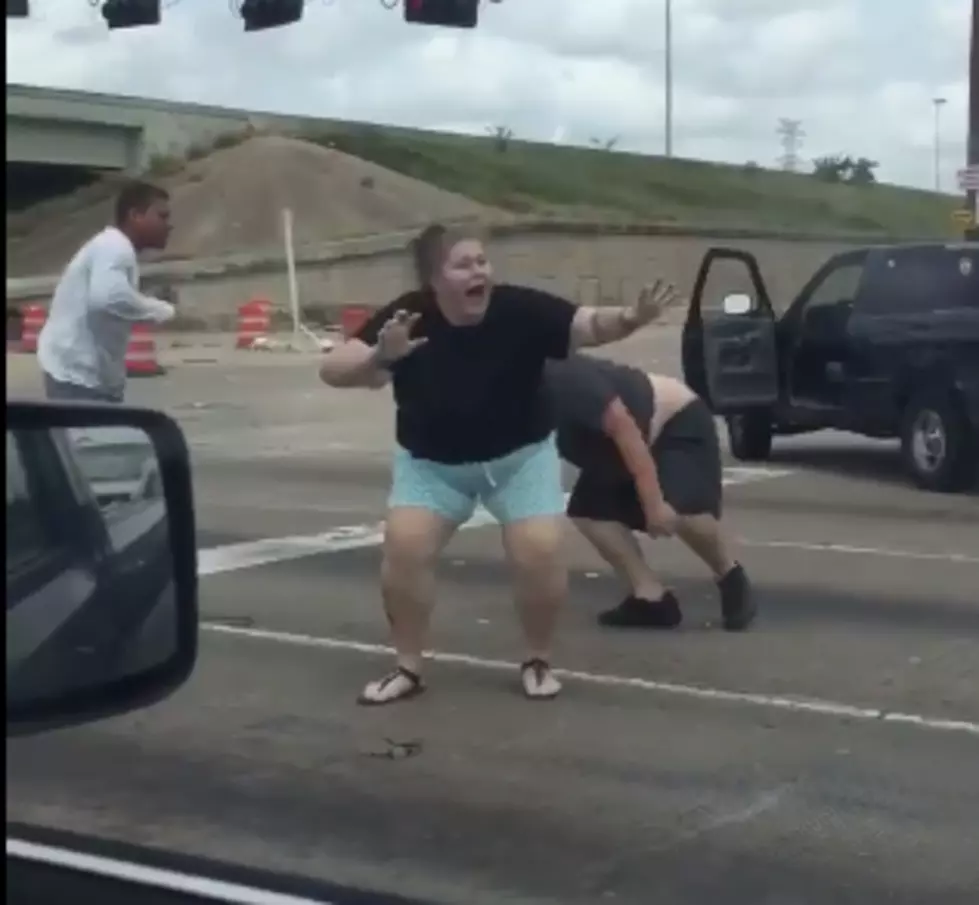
(595, 184)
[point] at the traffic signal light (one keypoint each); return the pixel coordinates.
(131, 13)
(448, 13)
(16, 9)
(259, 14)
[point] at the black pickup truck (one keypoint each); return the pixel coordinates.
(882, 341)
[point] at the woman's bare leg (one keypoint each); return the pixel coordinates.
(535, 551)
(413, 539)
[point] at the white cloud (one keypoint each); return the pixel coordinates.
(860, 74)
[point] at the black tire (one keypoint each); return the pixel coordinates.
(750, 436)
(938, 444)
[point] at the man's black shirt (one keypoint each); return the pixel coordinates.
(472, 393)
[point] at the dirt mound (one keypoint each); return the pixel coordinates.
(231, 202)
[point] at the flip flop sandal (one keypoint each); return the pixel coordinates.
(541, 670)
(375, 693)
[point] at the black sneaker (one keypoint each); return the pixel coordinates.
(737, 602)
(634, 612)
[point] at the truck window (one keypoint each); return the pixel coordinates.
(726, 276)
(924, 279)
(839, 285)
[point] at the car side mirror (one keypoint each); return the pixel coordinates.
(737, 303)
(101, 563)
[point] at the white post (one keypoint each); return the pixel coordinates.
(291, 274)
(668, 78)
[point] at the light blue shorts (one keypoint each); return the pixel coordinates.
(523, 484)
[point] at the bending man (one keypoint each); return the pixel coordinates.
(650, 462)
(467, 360)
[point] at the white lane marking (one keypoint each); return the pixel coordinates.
(232, 557)
(248, 554)
(772, 702)
(816, 547)
(748, 474)
(154, 877)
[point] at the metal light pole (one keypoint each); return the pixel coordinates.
(973, 140)
(939, 102)
(668, 80)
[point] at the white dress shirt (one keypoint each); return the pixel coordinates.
(95, 305)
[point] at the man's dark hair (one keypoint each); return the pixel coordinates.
(136, 197)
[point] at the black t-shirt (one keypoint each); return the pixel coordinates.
(472, 393)
(580, 390)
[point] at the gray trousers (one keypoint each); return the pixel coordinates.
(75, 392)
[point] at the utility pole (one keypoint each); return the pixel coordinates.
(668, 77)
(972, 150)
(939, 102)
(791, 135)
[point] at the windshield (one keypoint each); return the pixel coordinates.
(451, 648)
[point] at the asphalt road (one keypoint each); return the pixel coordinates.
(827, 756)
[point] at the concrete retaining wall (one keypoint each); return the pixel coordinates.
(592, 264)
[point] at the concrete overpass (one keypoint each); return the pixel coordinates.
(116, 132)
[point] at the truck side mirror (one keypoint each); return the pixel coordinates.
(101, 563)
(738, 303)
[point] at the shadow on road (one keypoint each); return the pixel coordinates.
(879, 462)
(787, 603)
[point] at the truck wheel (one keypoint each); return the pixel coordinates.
(750, 435)
(938, 443)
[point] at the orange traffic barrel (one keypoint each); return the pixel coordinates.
(352, 318)
(33, 318)
(254, 322)
(141, 354)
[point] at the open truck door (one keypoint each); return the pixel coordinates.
(730, 354)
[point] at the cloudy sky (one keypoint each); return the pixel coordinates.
(861, 75)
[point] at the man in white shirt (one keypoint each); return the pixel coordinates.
(82, 347)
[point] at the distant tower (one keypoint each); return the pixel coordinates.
(790, 135)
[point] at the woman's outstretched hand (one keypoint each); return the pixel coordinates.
(394, 340)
